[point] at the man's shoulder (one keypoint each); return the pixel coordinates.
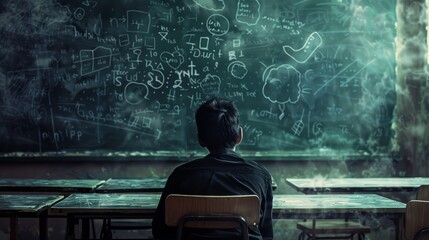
(210, 163)
(193, 163)
(257, 165)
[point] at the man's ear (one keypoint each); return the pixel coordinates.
(202, 144)
(240, 136)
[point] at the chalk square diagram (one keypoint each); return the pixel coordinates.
(138, 21)
(95, 60)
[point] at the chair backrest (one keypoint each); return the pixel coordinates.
(422, 234)
(416, 218)
(177, 206)
(423, 193)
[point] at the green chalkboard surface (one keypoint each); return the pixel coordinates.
(127, 75)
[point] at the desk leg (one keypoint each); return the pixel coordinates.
(85, 228)
(70, 227)
(43, 226)
(70, 235)
(400, 224)
(105, 229)
(313, 235)
(13, 227)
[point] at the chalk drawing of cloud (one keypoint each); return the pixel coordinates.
(48, 14)
(211, 84)
(282, 84)
(212, 5)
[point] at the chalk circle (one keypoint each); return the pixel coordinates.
(229, 68)
(237, 69)
(217, 25)
(309, 75)
(79, 13)
(135, 93)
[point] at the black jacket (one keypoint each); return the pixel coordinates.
(222, 172)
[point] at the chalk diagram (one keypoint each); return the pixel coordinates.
(217, 24)
(211, 84)
(156, 79)
(248, 12)
(138, 21)
(301, 55)
(212, 5)
(174, 59)
(237, 69)
(98, 25)
(48, 14)
(282, 85)
(95, 60)
(79, 13)
(298, 126)
(135, 92)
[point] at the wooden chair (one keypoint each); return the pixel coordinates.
(110, 225)
(417, 220)
(422, 234)
(212, 212)
(423, 193)
(332, 229)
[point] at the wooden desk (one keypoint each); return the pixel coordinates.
(61, 186)
(368, 185)
(20, 205)
(302, 205)
(105, 206)
(347, 206)
(104, 203)
(132, 185)
(139, 185)
(126, 205)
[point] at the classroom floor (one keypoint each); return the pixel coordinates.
(382, 229)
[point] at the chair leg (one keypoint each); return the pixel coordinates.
(106, 233)
(306, 236)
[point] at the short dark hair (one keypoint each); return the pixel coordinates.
(218, 123)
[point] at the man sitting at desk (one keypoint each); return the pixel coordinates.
(221, 172)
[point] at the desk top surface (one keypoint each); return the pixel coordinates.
(29, 203)
(282, 203)
(356, 184)
(50, 185)
(103, 202)
(139, 185)
(133, 185)
(336, 203)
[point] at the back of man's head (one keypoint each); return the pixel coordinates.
(217, 124)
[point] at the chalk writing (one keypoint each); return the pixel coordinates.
(127, 75)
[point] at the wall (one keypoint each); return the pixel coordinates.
(412, 107)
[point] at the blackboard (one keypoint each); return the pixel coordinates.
(127, 75)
